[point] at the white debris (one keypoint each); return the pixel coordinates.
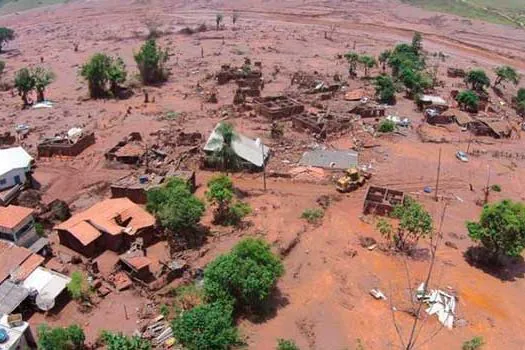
(376, 293)
(440, 303)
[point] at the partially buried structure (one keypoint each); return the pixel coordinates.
(111, 224)
(15, 172)
(381, 200)
(252, 154)
(70, 144)
(277, 107)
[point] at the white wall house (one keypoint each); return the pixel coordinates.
(17, 225)
(15, 163)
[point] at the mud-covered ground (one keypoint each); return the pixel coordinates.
(324, 300)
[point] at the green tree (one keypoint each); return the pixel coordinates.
(79, 287)
(151, 60)
(286, 344)
(206, 327)
(478, 79)
(501, 228)
(404, 56)
(414, 223)
(508, 74)
(368, 62)
(521, 95)
(24, 83)
(353, 59)
(102, 70)
(225, 155)
(67, 338)
(414, 81)
(385, 89)
(246, 275)
(42, 78)
(468, 100)
(417, 43)
(175, 206)
(386, 126)
(6, 34)
(383, 59)
(218, 19)
(121, 342)
(220, 193)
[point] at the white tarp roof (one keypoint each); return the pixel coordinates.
(48, 284)
(14, 158)
(245, 147)
(433, 99)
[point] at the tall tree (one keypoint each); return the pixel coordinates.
(43, 77)
(383, 58)
(385, 89)
(225, 153)
(478, 79)
(24, 84)
(102, 70)
(6, 34)
(417, 43)
(151, 61)
(352, 58)
(218, 19)
(508, 74)
(368, 62)
(468, 100)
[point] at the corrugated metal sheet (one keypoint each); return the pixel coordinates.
(11, 296)
(330, 159)
(46, 282)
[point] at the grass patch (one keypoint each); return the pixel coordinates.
(473, 344)
(313, 216)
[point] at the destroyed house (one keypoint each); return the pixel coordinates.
(67, 145)
(322, 124)
(381, 201)
(111, 224)
(434, 102)
(367, 109)
(136, 186)
(228, 73)
(128, 151)
(252, 154)
(277, 107)
(490, 127)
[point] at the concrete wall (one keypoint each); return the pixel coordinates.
(24, 234)
(10, 178)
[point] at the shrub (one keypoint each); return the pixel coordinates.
(39, 228)
(78, 287)
(414, 223)
(67, 338)
(478, 80)
(386, 126)
(175, 206)
(385, 228)
(6, 34)
(385, 89)
(495, 188)
(473, 344)
(245, 276)
(228, 211)
(501, 228)
(2, 68)
(206, 327)
(151, 61)
(100, 70)
(121, 342)
(468, 100)
(286, 344)
(506, 73)
(313, 216)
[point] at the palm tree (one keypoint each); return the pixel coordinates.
(225, 154)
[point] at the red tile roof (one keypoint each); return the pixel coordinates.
(13, 215)
(11, 257)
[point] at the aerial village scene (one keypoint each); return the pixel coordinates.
(225, 174)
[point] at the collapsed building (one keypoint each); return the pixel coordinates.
(381, 200)
(432, 102)
(70, 144)
(493, 127)
(367, 109)
(453, 72)
(277, 107)
(228, 73)
(136, 186)
(132, 150)
(322, 124)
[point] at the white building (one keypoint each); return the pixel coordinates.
(17, 225)
(18, 335)
(15, 163)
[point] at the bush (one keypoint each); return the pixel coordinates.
(478, 79)
(175, 206)
(39, 228)
(414, 223)
(495, 188)
(206, 327)
(386, 126)
(67, 338)
(220, 194)
(473, 344)
(121, 342)
(102, 70)
(385, 89)
(6, 34)
(187, 297)
(150, 62)
(506, 73)
(500, 229)
(79, 287)
(313, 216)
(245, 276)
(286, 344)
(468, 100)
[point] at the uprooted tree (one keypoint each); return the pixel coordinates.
(103, 74)
(151, 62)
(414, 223)
(500, 229)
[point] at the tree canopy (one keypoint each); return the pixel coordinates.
(6, 34)
(24, 84)
(225, 155)
(245, 276)
(508, 74)
(151, 61)
(220, 194)
(501, 228)
(478, 79)
(414, 223)
(468, 100)
(352, 58)
(67, 338)
(175, 206)
(385, 89)
(102, 70)
(368, 62)
(118, 341)
(286, 344)
(206, 327)
(42, 78)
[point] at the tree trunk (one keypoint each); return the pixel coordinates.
(40, 95)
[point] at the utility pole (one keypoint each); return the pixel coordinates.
(487, 188)
(263, 165)
(438, 173)
(469, 141)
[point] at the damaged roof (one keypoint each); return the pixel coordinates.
(332, 159)
(435, 100)
(246, 148)
(107, 216)
(11, 257)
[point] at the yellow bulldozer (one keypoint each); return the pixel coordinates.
(351, 180)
